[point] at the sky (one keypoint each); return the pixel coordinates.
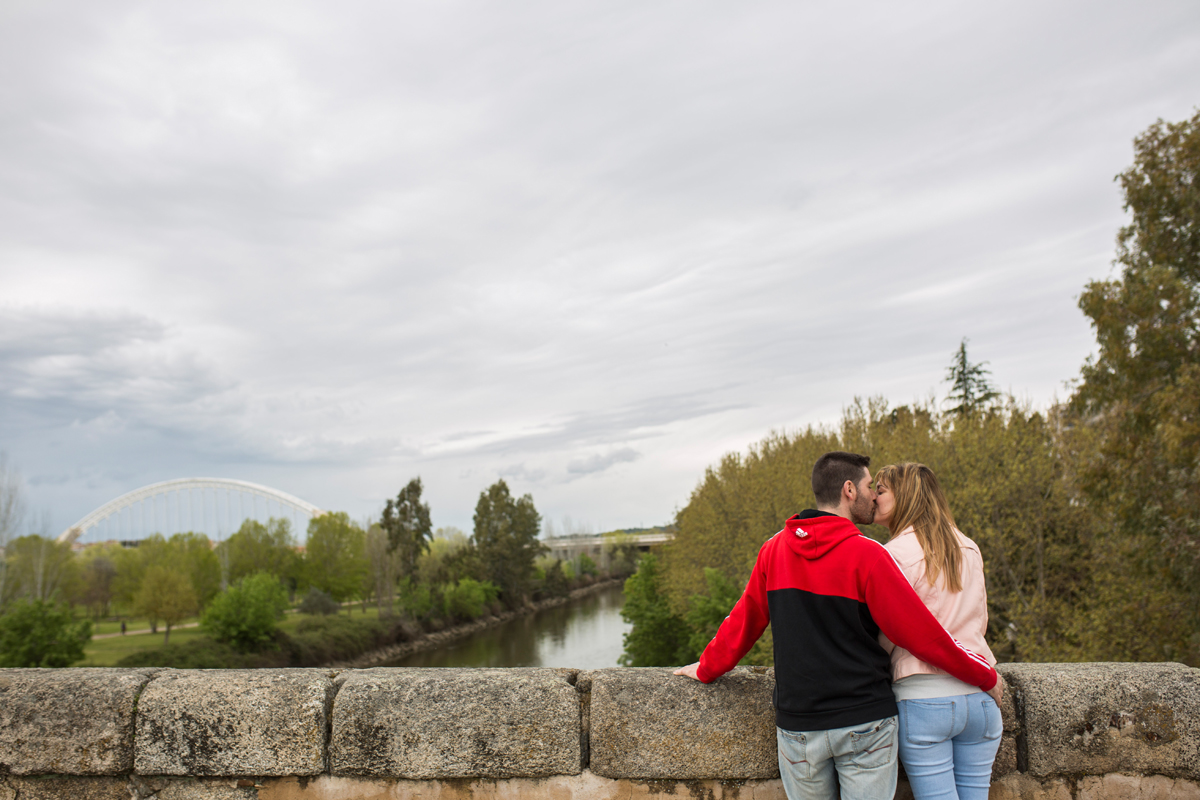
(586, 247)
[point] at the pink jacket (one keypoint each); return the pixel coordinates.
(963, 614)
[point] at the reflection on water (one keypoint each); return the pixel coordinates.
(586, 634)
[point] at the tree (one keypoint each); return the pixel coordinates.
(166, 594)
(188, 554)
(1136, 413)
(506, 538)
(39, 633)
(246, 614)
(969, 386)
(97, 578)
(41, 568)
(409, 531)
(335, 555)
(261, 548)
(384, 565)
(12, 510)
(658, 638)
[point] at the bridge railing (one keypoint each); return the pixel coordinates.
(1084, 731)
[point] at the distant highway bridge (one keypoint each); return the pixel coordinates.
(569, 548)
(203, 505)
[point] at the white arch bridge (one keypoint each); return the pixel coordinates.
(202, 505)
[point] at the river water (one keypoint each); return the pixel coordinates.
(585, 634)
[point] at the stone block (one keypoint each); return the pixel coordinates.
(57, 787)
(650, 724)
(233, 722)
(68, 721)
(1095, 719)
(457, 723)
(1019, 786)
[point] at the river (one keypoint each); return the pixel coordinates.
(587, 634)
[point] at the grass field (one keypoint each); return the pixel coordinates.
(107, 652)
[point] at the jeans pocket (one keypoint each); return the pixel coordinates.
(875, 746)
(927, 722)
(793, 749)
(994, 721)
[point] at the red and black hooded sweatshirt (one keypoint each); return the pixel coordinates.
(828, 591)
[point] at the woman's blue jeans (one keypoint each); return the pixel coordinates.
(948, 744)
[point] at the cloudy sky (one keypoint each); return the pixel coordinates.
(588, 247)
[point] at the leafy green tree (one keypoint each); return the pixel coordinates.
(335, 555)
(506, 538)
(40, 633)
(409, 531)
(659, 638)
(166, 594)
(192, 555)
(40, 568)
(261, 548)
(970, 389)
(187, 554)
(246, 614)
(1136, 413)
(97, 576)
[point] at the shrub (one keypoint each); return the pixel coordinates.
(587, 566)
(467, 599)
(245, 614)
(38, 633)
(317, 602)
(201, 653)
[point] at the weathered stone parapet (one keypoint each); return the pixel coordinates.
(70, 721)
(457, 723)
(1071, 732)
(650, 724)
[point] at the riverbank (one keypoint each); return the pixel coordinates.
(438, 639)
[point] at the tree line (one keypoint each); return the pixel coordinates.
(415, 576)
(1087, 513)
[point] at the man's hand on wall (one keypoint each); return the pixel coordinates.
(690, 671)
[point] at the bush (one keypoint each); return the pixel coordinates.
(317, 602)
(201, 653)
(320, 640)
(245, 614)
(37, 633)
(587, 566)
(467, 599)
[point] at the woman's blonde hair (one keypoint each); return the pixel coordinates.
(921, 504)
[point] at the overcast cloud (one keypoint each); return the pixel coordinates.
(588, 247)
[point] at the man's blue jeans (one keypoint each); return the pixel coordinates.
(861, 759)
(948, 745)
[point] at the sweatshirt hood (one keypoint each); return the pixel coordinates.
(813, 536)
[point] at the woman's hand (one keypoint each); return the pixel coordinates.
(690, 671)
(996, 691)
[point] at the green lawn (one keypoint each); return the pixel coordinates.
(107, 652)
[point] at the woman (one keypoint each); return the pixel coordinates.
(949, 731)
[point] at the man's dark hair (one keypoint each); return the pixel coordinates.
(831, 472)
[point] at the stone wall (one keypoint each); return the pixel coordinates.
(1082, 731)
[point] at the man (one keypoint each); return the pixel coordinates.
(828, 591)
